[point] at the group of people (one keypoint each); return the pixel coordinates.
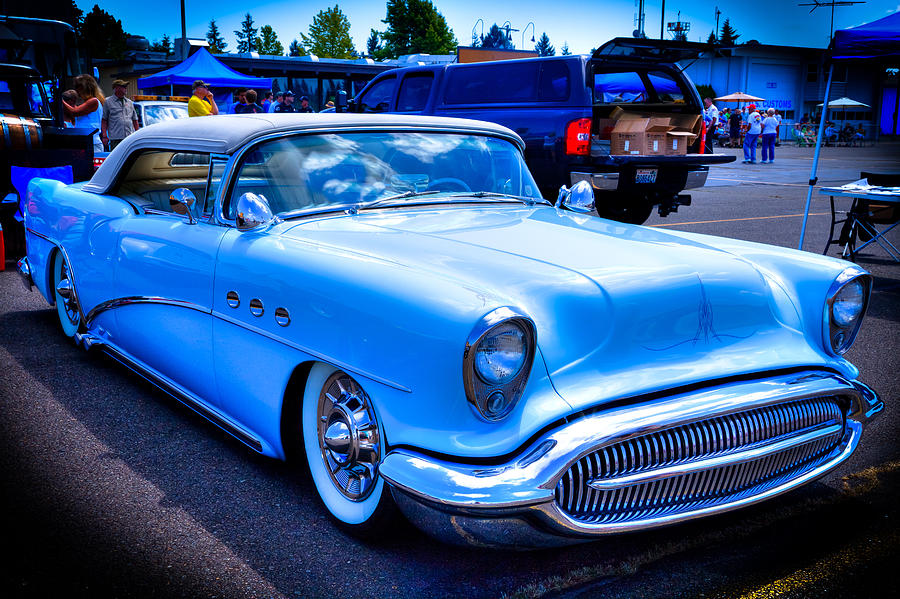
(114, 117)
(755, 127)
(202, 102)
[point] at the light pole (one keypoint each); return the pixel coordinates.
(508, 26)
(473, 30)
(530, 24)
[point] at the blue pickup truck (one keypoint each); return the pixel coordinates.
(563, 107)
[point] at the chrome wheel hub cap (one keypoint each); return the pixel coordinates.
(66, 295)
(348, 436)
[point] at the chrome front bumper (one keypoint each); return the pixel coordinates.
(515, 503)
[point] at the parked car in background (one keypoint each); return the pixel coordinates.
(157, 111)
(390, 297)
(562, 107)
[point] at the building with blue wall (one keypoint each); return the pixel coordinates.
(793, 80)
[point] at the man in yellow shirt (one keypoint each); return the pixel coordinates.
(202, 102)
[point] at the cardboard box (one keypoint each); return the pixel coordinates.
(629, 136)
(657, 132)
(649, 134)
(677, 142)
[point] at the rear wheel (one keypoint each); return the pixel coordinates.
(344, 446)
(66, 301)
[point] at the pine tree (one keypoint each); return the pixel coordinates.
(268, 42)
(497, 38)
(712, 38)
(164, 45)
(728, 35)
(543, 46)
(214, 38)
(565, 49)
(329, 35)
(373, 44)
(103, 35)
(295, 49)
(415, 26)
(247, 38)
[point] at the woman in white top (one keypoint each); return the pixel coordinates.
(90, 111)
(769, 132)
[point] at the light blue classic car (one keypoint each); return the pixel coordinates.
(390, 297)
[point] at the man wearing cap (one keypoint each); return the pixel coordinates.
(288, 104)
(202, 102)
(279, 100)
(304, 105)
(119, 119)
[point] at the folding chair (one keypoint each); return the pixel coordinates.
(862, 218)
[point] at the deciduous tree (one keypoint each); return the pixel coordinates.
(268, 42)
(329, 35)
(416, 26)
(247, 36)
(543, 46)
(214, 38)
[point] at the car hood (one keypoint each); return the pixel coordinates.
(619, 310)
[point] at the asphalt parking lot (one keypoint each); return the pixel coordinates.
(111, 489)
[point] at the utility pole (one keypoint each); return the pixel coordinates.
(183, 30)
(718, 13)
(662, 19)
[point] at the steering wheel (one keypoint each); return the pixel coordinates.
(448, 184)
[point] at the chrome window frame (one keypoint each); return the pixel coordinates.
(236, 159)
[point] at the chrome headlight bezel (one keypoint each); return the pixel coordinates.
(495, 401)
(837, 339)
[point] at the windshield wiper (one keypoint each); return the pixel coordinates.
(493, 194)
(399, 196)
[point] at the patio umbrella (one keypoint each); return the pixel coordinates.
(844, 103)
(739, 97)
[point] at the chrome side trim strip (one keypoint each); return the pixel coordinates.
(140, 299)
(170, 387)
(801, 438)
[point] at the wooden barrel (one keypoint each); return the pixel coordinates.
(19, 133)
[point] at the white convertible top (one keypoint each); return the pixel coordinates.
(225, 134)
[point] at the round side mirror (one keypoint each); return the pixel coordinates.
(578, 198)
(182, 201)
(252, 211)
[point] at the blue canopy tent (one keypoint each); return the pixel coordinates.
(203, 65)
(878, 40)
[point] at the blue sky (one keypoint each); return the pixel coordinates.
(584, 25)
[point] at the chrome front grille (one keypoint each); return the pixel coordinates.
(702, 464)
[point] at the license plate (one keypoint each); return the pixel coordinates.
(645, 175)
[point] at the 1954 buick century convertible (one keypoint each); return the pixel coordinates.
(390, 297)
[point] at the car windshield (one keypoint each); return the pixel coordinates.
(312, 172)
(156, 113)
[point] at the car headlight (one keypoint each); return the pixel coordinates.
(496, 362)
(845, 307)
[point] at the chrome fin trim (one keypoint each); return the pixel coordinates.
(140, 299)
